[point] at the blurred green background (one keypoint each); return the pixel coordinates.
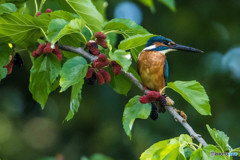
(27, 132)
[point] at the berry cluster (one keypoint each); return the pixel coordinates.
(47, 11)
(101, 39)
(46, 48)
(101, 75)
(156, 99)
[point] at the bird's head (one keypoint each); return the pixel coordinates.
(165, 45)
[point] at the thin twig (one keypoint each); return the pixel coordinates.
(134, 80)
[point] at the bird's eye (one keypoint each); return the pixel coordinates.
(165, 42)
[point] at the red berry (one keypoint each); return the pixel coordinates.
(102, 43)
(153, 94)
(9, 67)
(106, 75)
(102, 57)
(57, 52)
(100, 35)
(34, 54)
(100, 64)
(116, 67)
(48, 11)
(93, 47)
(40, 48)
(90, 73)
(100, 78)
(145, 99)
(38, 14)
(48, 48)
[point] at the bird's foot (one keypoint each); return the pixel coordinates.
(169, 101)
(182, 114)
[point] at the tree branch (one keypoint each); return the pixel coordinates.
(130, 76)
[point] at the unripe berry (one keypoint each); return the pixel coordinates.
(90, 72)
(100, 78)
(106, 75)
(48, 48)
(38, 14)
(48, 10)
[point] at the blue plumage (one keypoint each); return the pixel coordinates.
(166, 72)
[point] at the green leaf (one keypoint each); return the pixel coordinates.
(124, 26)
(134, 109)
(196, 155)
(122, 57)
(236, 150)
(135, 52)
(72, 30)
(219, 137)
(101, 6)
(135, 73)
(169, 3)
(120, 83)
(148, 3)
(3, 73)
(194, 93)
(73, 71)
(184, 140)
(88, 12)
(163, 150)
(7, 8)
(206, 153)
(55, 26)
(134, 41)
(19, 29)
(76, 96)
(44, 72)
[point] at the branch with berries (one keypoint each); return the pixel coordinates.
(97, 73)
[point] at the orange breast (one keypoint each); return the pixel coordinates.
(151, 69)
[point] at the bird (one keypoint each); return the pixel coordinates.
(152, 63)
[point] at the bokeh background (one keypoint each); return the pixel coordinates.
(29, 133)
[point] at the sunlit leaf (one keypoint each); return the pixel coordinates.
(219, 137)
(72, 30)
(134, 109)
(196, 155)
(163, 150)
(76, 96)
(7, 8)
(19, 29)
(88, 12)
(134, 41)
(73, 71)
(206, 153)
(44, 72)
(122, 57)
(55, 26)
(194, 93)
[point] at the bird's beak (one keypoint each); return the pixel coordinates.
(184, 48)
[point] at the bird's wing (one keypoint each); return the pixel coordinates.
(166, 73)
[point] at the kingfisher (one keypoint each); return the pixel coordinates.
(152, 62)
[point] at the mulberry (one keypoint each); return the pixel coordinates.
(116, 67)
(106, 75)
(100, 78)
(90, 73)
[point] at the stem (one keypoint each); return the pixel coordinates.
(134, 80)
(36, 5)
